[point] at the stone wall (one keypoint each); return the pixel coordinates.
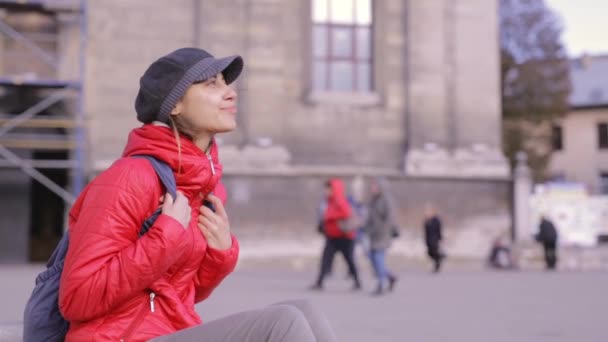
(283, 208)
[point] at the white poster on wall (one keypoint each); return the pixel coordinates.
(578, 217)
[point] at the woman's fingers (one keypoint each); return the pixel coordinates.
(219, 206)
(215, 226)
(208, 212)
(205, 223)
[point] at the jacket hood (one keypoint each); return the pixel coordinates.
(337, 188)
(194, 170)
(338, 194)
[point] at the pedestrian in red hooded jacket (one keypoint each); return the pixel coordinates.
(337, 211)
(117, 286)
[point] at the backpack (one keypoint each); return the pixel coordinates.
(356, 220)
(42, 320)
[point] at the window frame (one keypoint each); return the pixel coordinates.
(354, 60)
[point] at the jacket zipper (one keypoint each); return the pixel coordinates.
(152, 295)
(139, 318)
(211, 162)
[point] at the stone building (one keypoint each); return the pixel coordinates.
(352, 88)
(581, 137)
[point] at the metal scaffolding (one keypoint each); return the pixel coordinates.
(56, 90)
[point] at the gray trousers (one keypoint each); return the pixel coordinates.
(293, 321)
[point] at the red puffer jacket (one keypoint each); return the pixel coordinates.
(118, 287)
(337, 209)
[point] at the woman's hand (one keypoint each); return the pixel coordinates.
(215, 226)
(179, 208)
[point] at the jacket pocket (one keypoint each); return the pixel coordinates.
(147, 305)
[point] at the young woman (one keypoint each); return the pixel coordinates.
(117, 286)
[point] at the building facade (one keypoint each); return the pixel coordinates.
(581, 137)
(352, 88)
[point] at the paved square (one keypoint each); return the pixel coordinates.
(457, 305)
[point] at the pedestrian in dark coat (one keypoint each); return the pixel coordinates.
(433, 237)
(547, 236)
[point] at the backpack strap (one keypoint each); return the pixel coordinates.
(165, 174)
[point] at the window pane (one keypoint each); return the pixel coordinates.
(602, 130)
(319, 10)
(342, 11)
(319, 40)
(364, 12)
(604, 183)
(342, 41)
(319, 79)
(364, 77)
(556, 136)
(363, 43)
(342, 76)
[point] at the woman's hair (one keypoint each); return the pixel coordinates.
(179, 144)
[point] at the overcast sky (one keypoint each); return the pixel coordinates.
(585, 25)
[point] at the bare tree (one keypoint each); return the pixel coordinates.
(535, 79)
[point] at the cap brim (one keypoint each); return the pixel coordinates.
(230, 67)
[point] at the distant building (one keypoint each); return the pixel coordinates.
(580, 139)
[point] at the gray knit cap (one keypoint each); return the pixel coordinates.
(166, 80)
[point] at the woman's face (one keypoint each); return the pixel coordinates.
(207, 107)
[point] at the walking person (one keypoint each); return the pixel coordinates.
(357, 209)
(117, 286)
(547, 236)
(380, 228)
(338, 237)
(433, 236)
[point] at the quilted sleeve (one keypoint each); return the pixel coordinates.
(216, 266)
